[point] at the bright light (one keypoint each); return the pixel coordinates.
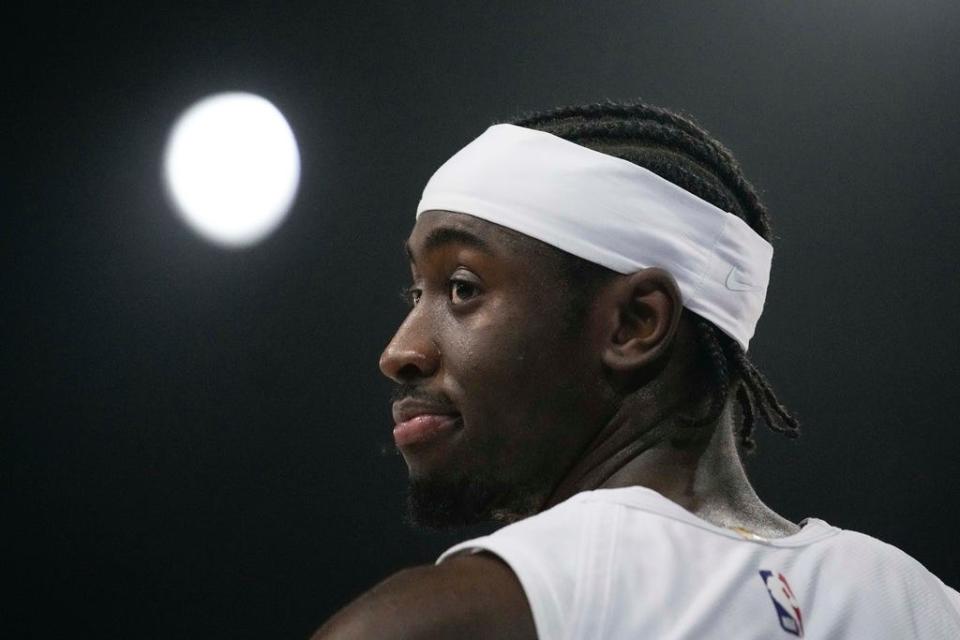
(232, 168)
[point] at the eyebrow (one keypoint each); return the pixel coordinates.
(445, 236)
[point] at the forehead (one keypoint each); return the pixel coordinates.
(437, 229)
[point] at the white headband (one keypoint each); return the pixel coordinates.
(610, 212)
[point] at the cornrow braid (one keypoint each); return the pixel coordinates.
(679, 150)
(746, 411)
(563, 123)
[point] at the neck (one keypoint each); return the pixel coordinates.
(698, 468)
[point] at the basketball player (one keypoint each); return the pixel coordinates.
(585, 286)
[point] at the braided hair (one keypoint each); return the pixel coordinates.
(678, 150)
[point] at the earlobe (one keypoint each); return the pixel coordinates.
(645, 314)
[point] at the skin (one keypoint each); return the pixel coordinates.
(550, 410)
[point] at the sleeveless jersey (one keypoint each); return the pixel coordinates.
(629, 563)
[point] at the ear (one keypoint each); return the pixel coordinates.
(644, 315)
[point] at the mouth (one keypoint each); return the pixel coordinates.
(423, 428)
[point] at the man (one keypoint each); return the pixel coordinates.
(585, 285)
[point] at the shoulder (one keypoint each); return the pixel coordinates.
(464, 597)
(887, 566)
(867, 549)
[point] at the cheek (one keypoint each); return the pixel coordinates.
(494, 348)
(519, 379)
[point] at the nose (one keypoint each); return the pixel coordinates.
(412, 353)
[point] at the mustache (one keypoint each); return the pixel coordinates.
(406, 390)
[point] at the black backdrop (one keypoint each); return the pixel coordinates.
(192, 438)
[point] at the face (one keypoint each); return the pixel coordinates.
(497, 394)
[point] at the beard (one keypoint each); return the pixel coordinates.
(436, 502)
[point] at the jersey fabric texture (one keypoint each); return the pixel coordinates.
(629, 563)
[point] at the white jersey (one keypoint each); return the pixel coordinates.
(629, 563)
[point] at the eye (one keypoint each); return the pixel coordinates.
(410, 295)
(462, 291)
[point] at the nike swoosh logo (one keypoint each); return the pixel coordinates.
(734, 283)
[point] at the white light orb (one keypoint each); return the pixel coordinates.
(232, 168)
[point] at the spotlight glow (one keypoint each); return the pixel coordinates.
(232, 168)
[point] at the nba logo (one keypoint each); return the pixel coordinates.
(784, 601)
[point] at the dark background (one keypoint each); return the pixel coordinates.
(192, 437)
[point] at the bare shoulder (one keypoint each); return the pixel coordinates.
(470, 596)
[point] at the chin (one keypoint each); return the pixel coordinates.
(436, 502)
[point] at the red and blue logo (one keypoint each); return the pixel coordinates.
(784, 601)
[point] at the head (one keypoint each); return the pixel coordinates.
(515, 354)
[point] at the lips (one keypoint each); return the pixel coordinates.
(423, 428)
(418, 422)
